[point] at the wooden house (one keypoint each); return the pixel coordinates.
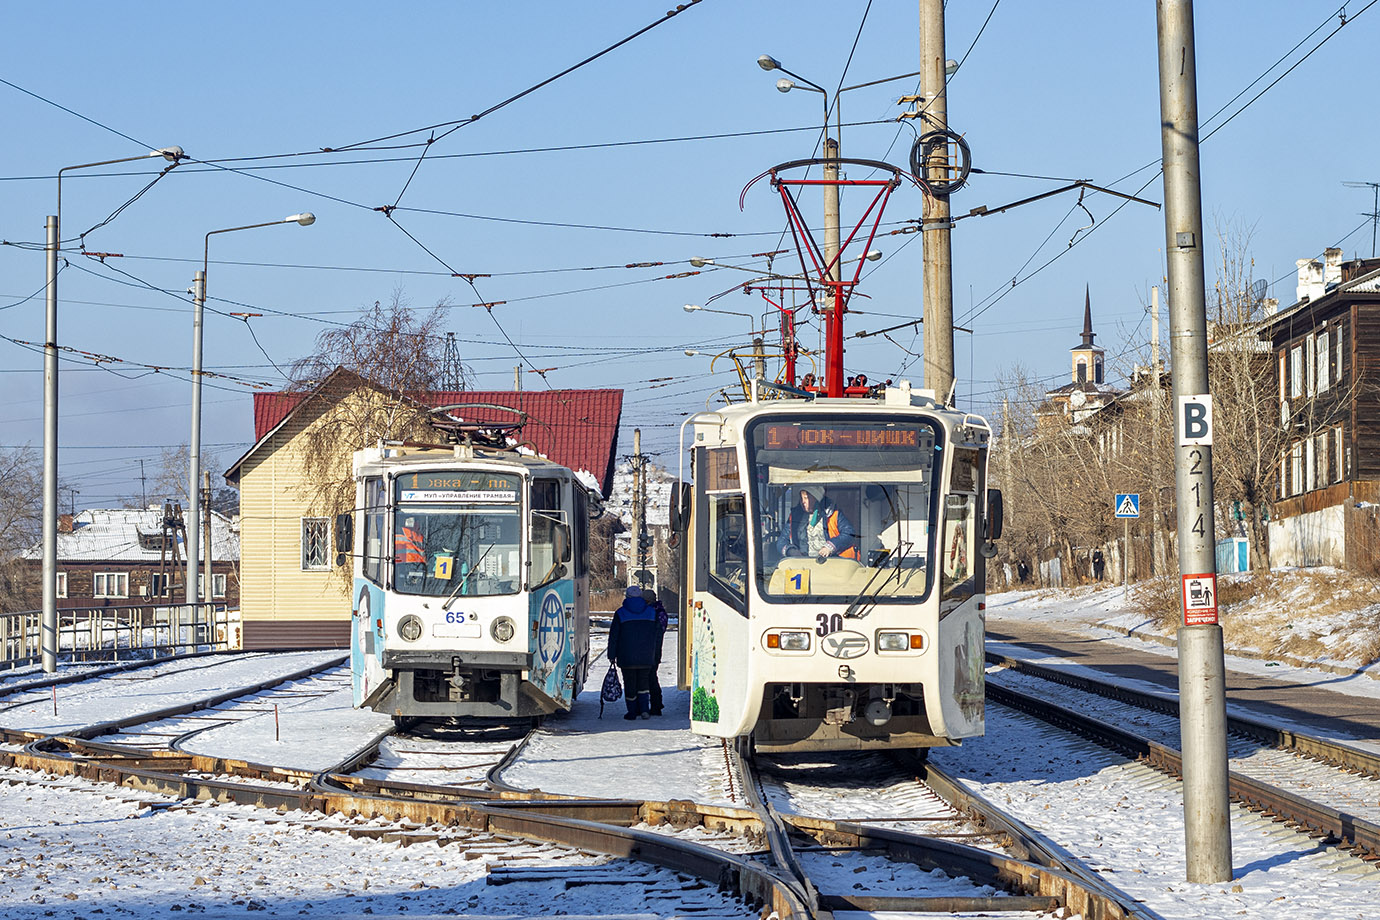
(1326, 357)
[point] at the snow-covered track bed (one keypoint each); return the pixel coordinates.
(899, 854)
(676, 874)
(1324, 788)
(114, 701)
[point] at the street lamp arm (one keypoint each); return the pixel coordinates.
(175, 154)
(306, 219)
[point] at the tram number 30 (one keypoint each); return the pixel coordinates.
(828, 623)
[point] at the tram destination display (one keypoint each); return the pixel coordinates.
(844, 437)
(459, 486)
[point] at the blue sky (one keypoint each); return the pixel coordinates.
(1061, 91)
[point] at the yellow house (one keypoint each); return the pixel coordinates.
(294, 589)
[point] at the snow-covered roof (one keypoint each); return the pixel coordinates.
(132, 535)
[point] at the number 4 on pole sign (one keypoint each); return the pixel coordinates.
(1195, 421)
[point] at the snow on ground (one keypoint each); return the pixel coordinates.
(83, 853)
(312, 733)
(1108, 614)
(120, 696)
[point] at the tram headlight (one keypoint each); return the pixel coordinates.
(502, 630)
(899, 641)
(789, 640)
(410, 627)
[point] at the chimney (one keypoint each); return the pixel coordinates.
(64, 523)
(1332, 271)
(1310, 286)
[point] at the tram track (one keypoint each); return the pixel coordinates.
(687, 839)
(1310, 767)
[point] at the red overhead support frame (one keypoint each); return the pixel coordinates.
(812, 260)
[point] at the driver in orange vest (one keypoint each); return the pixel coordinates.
(816, 527)
(407, 544)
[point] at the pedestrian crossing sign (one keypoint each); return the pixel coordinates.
(1127, 505)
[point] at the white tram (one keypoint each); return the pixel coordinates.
(471, 583)
(877, 642)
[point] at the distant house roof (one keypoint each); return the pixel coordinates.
(575, 428)
(131, 535)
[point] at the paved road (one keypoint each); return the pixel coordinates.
(1301, 698)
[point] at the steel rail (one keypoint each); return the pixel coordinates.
(1346, 830)
(750, 881)
(1326, 750)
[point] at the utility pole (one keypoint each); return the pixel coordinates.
(637, 558)
(1156, 397)
(517, 378)
(833, 370)
(1202, 669)
(937, 225)
(208, 579)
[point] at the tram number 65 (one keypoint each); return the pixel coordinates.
(828, 622)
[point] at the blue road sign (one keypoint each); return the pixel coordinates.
(1127, 504)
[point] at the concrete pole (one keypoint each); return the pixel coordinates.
(1202, 695)
(49, 638)
(192, 594)
(939, 282)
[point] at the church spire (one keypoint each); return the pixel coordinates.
(1087, 318)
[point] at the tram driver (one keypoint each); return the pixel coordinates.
(409, 554)
(816, 527)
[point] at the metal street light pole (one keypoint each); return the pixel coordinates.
(193, 594)
(48, 639)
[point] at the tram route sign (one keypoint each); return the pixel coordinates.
(1127, 505)
(1200, 599)
(1195, 421)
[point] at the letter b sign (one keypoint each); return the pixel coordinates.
(1195, 420)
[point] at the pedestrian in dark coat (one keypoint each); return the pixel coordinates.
(662, 618)
(634, 638)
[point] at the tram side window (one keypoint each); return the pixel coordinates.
(728, 542)
(580, 532)
(376, 534)
(551, 548)
(958, 551)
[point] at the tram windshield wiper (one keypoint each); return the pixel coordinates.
(466, 577)
(863, 598)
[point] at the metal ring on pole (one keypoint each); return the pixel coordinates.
(925, 146)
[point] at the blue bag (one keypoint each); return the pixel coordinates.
(612, 691)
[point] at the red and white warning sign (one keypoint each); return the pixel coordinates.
(1200, 600)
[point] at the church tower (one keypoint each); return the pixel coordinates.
(1087, 357)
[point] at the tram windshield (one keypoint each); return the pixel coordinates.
(844, 508)
(457, 534)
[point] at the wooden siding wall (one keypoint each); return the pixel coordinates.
(272, 505)
(1364, 438)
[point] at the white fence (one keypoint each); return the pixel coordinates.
(109, 633)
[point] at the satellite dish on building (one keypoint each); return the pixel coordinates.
(1259, 288)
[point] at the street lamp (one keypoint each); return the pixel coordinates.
(48, 640)
(305, 219)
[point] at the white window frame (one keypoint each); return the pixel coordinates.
(1324, 350)
(1310, 470)
(1324, 458)
(309, 524)
(1296, 371)
(160, 585)
(1296, 468)
(101, 584)
(1338, 375)
(1310, 349)
(61, 584)
(1340, 454)
(217, 584)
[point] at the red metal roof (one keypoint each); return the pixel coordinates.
(576, 428)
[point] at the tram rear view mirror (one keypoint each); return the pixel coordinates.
(994, 514)
(560, 542)
(680, 502)
(344, 537)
